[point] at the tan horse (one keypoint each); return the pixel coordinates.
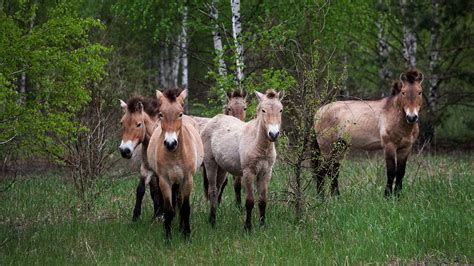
(243, 149)
(138, 123)
(175, 153)
(236, 107)
(389, 124)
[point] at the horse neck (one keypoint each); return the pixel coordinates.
(150, 125)
(262, 144)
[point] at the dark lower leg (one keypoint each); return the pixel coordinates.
(401, 166)
(237, 190)
(222, 191)
(157, 199)
(205, 182)
(334, 179)
(391, 172)
(213, 202)
(262, 204)
(249, 206)
(184, 217)
(138, 201)
(169, 214)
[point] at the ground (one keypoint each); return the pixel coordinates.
(42, 221)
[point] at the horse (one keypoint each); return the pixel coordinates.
(175, 153)
(138, 123)
(389, 124)
(243, 149)
(236, 106)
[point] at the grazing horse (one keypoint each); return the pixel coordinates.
(175, 153)
(138, 123)
(236, 107)
(389, 124)
(243, 149)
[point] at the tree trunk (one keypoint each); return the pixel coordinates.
(433, 81)
(184, 56)
(222, 70)
(176, 57)
(236, 29)
(161, 71)
(409, 37)
(384, 73)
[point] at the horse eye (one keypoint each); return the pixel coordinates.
(403, 93)
(419, 93)
(180, 115)
(160, 115)
(139, 124)
(245, 109)
(263, 111)
(281, 110)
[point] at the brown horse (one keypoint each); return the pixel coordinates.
(175, 153)
(243, 149)
(389, 124)
(138, 123)
(236, 107)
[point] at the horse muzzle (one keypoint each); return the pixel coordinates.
(411, 118)
(273, 136)
(125, 152)
(171, 145)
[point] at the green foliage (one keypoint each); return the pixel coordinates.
(45, 71)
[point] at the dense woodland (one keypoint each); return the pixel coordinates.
(64, 65)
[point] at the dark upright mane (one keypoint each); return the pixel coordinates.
(396, 88)
(237, 93)
(151, 106)
(412, 76)
(171, 94)
(271, 94)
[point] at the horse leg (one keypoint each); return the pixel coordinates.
(262, 189)
(319, 167)
(334, 179)
(402, 156)
(205, 181)
(169, 210)
(212, 168)
(237, 189)
(156, 197)
(222, 190)
(185, 210)
(249, 201)
(139, 198)
(390, 160)
(337, 153)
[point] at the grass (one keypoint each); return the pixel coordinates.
(43, 222)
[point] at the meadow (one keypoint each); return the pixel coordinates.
(42, 221)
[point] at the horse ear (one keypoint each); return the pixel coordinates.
(229, 94)
(244, 94)
(403, 78)
(159, 95)
(123, 105)
(281, 95)
(419, 79)
(260, 96)
(182, 96)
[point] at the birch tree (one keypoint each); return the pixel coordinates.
(184, 49)
(236, 30)
(384, 73)
(214, 14)
(409, 37)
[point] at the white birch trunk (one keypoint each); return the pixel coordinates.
(384, 73)
(176, 57)
(214, 14)
(433, 57)
(184, 50)
(409, 39)
(236, 30)
(162, 70)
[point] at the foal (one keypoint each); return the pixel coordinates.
(138, 123)
(243, 149)
(389, 124)
(175, 153)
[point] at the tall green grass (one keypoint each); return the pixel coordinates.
(43, 222)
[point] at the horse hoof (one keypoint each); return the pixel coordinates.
(135, 219)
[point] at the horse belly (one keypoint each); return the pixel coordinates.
(226, 154)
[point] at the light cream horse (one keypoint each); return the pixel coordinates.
(243, 149)
(175, 153)
(389, 124)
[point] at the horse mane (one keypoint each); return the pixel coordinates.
(270, 93)
(151, 105)
(237, 93)
(412, 76)
(171, 94)
(396, 88)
